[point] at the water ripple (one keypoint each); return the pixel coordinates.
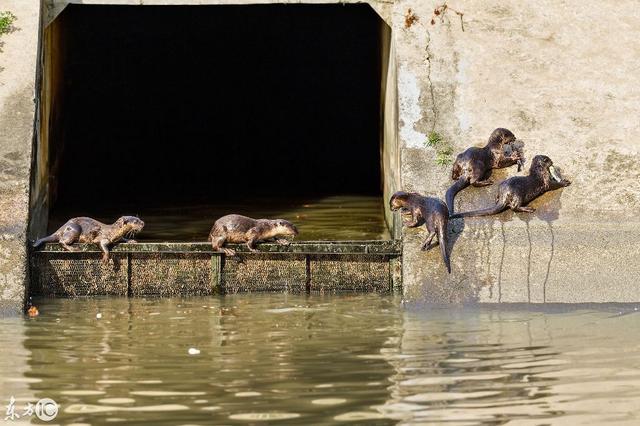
(320, 359)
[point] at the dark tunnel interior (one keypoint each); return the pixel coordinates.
(176, 105)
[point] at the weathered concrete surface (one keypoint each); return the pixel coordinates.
(17, 81)
(564, 77)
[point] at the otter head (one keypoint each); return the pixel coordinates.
(500, 137)
(542, 166)
(398, 200)
(130, 225)
(285, 228)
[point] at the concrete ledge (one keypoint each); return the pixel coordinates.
(381, 247)
(515, 260)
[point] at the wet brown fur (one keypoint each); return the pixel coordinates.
(518, 191)
(86, 230)
(474, 165)
(235, 228)
(431, 212)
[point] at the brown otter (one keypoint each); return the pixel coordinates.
(87, 230)
(473, 166)
(235, 228)
(428, 211)
(518, 191)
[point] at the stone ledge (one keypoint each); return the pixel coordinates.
(520, 261)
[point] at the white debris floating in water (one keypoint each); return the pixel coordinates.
(98, 315)
(193, 351)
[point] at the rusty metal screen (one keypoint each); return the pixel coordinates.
(362, 273)
(192, 269)
(71, 274)
(168, 274)
(270, 272)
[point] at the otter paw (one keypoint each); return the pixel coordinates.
(427, 247)
(229, 252)
(524, 209)
(283, 241)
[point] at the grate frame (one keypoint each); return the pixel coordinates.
(176, 269)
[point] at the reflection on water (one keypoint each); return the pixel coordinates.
(323, 359)
(342, 217)
(522, 367)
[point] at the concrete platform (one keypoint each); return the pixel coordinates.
(514, 258)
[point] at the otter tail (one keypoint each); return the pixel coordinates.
(458, 186)
(499, 207)
(49, 239)
(442, 242)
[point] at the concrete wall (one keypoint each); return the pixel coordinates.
(563, 76)
(390, 153)
(17, 82)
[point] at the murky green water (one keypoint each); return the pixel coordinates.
(340, 217)
(365, 359)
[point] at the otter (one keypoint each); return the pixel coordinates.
(473, 166)
(431, 212)
(518, 191)
(88, 230)
(235, 228)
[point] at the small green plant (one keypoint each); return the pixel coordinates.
(444, 151)
(433, 139)
(444, 156)
(6, 22)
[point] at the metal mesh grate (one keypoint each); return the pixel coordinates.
(192, 269)
(170, 274)
(264, 273)
(79, 274)
(350, 273)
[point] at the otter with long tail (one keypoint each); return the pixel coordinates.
(87, 230)
(474, 165)
(518, 191)
(428, 211)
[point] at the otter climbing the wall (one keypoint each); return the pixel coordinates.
(428, 211)
(518, 191)
(87, 230)
(235, 228)
(474, 165)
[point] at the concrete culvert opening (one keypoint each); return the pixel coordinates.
(180, 114)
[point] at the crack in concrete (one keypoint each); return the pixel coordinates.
(504, 246)
(434, 109)
(546, 277)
